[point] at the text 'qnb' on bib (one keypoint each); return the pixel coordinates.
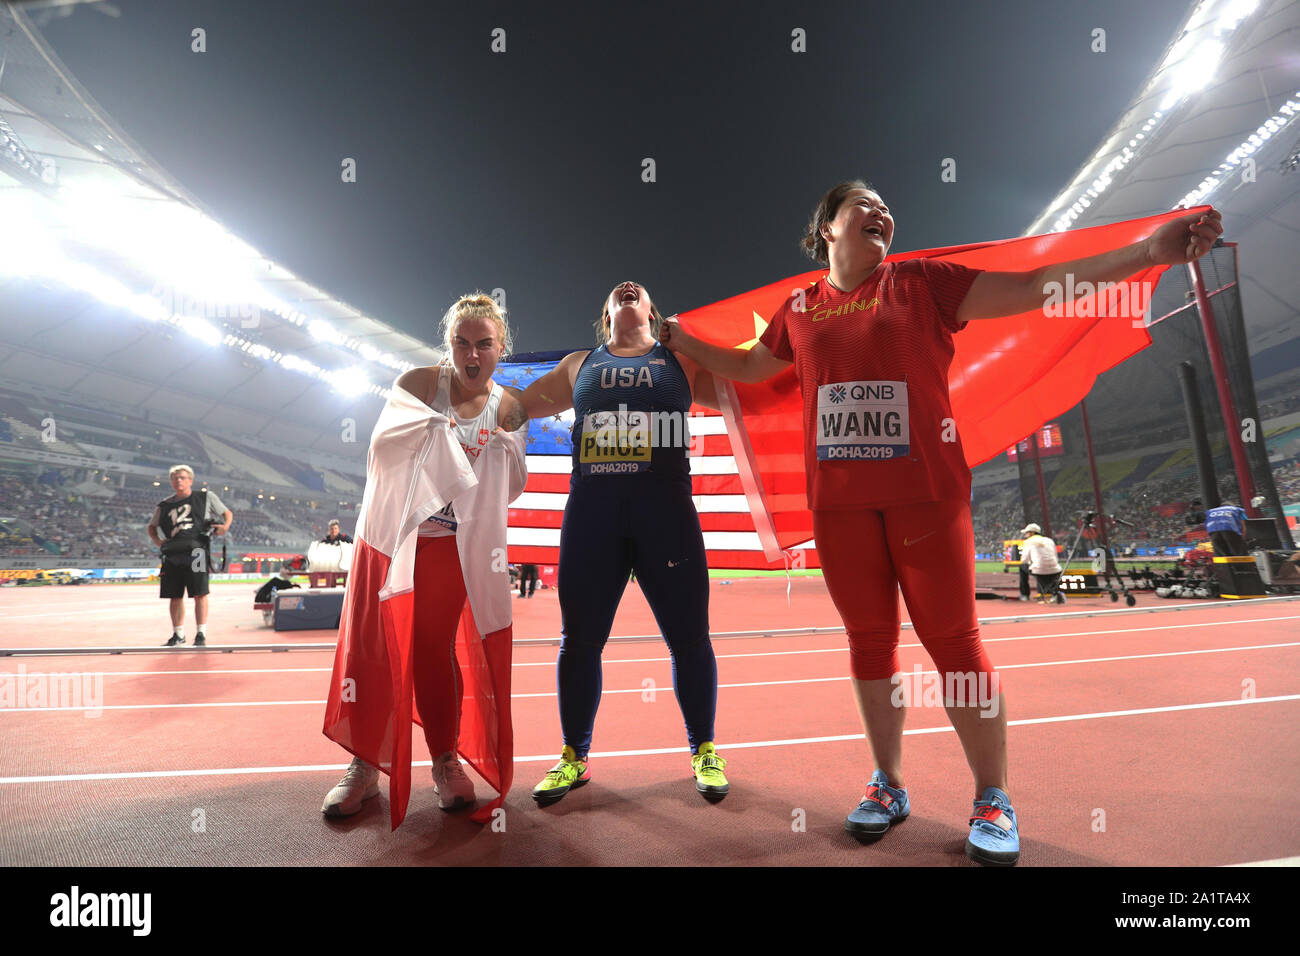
(615, 443)
(861, 421)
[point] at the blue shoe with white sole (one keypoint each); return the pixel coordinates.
(994, 834)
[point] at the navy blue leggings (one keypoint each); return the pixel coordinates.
(613, 526)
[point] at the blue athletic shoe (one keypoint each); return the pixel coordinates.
(994, 834)
(882, 806)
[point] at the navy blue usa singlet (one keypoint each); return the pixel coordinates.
(630, 509)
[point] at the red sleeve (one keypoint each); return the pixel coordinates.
(776, 337)
(948, 283)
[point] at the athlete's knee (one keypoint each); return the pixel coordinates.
(873, 654)
(582, 642)
(958, 652)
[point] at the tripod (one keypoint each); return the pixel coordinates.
(1106, 560)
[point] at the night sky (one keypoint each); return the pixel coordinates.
(523, 170)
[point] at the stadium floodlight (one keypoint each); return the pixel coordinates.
(349, 382)
(203, 331)
(1231, 13)
(1286, 114)
(299, 364)
(1192, 73)
(1188, 67)
(199, 269)
(320, 329)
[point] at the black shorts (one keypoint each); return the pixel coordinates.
(177, 576)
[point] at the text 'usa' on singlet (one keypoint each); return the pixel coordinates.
(473, 435)
(630, 417)
(872, 365)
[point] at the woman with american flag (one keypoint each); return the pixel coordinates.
(630, 510)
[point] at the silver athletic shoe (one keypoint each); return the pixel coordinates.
(455, 790)
(359, 783)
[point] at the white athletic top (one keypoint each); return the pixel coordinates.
(1039, 553)
(473, 435)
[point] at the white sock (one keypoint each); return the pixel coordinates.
(178, 630)
(199, 630)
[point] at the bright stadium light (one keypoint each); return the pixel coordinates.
(299, 364)
(199, 269)
(322, 330)
(349, 382)
(1286, 114)
(1193, 73)
(203, 331)
(1232, 13)
(1189, 66)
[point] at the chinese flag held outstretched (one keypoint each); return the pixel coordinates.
(1008, 375)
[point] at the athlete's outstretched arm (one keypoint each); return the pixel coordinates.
(553, 392)
(738, 365)
(1179, 241)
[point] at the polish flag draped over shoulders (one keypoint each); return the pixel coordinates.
(416, 467)
(1008, 375)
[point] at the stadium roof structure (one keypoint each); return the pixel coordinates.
(1217, 121)
(118, 286)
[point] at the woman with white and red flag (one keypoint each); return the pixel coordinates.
(428, 611)
(871, 342)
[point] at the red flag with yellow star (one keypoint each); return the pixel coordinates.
(1008, 375)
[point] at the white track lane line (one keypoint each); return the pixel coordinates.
(1283, 861)
(662, 660)
(550, 758)
(642, 690)
(984, 622)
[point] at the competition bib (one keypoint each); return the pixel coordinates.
(444, 520)
(614, 443)
(862, 421)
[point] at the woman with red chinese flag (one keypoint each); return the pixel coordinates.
(888, 484)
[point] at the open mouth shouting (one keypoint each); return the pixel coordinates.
(628, 294)
(471, 371)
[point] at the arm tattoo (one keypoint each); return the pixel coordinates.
(513, 417)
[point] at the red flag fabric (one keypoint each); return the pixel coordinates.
(415, 467)
(1008, 375)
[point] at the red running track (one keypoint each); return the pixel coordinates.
(1120, 723)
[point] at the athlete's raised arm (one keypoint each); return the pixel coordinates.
(553, 392)
(738, 365)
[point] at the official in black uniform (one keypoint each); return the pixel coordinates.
(181, 527)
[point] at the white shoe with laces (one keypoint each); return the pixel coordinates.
(359, 783)
(455, 790)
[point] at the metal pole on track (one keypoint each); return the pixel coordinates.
(1096, 485)
(1223, 384)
